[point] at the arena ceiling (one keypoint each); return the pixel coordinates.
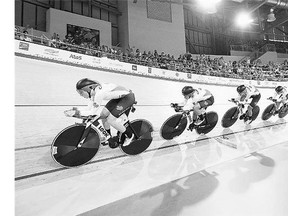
(259, 9)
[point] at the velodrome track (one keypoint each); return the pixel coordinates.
(44, 90)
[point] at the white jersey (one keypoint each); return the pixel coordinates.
(199, 95)
(251, 91)
(281, 97)
(106, 92)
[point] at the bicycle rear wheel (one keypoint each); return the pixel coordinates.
(255, 112)
(230, 117)
(173, 126)
(283, 111)
(268, 112)
(209, 123)
(144, 130)
(64, 149)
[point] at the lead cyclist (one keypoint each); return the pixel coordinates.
(120, 100)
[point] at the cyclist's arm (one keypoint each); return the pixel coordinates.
(90, 109)
(188, 105)
(183, 103)
(115, 94)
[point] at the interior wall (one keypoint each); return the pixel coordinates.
(45, 83)
(57, 20)
(149, 34)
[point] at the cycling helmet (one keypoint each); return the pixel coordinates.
(86, 83)
(279, 89)
(187, 90)
(241, 88)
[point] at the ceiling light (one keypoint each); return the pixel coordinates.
(243, 19)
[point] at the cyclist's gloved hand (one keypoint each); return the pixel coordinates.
(270, 98)
(74, 112)
(174, 105)
(233, 100)
(178, 109)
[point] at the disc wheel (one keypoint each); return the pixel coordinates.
(283, 111)
(255, 112)
(173, 126)
(210, 122)
(268, 112)
(144, 130)
(230, 117)
(64, 149)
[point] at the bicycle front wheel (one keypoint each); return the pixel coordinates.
(65, 150)
(173, 126)
(268, 112)
(230, 117)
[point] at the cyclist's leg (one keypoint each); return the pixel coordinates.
(200, 108)
(119, 109)
(255, 99)
(106, 125)
(277, 106)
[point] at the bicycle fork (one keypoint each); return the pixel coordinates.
(84, 135)
(87, 130)
(180, 119)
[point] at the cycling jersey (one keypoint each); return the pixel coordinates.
(198, 95)
(282, 97)
(251, 91)
(107, 91)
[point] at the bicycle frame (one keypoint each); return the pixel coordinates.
(242, 106)
(92, 121)
(186, 114)
(280, 103)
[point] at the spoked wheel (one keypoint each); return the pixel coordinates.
(144, 130)
(283, 111)
(268, 112)
(210, 122)
(173, 126)
(230, 117)
(64, 147)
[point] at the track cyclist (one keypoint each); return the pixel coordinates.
(246, 92)
(119, 98)
(280, 97)
(197, 99)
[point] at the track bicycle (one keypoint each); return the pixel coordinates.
(270, 110)
(176, 124)
(78, 144)
(238, 112)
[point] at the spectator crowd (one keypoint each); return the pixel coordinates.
(186, 63)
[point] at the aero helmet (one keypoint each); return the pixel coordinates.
(279, 89)
(241, 88)
(187, 90)
(86, 83)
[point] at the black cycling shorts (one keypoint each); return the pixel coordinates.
(208, 102)
(255, 100)
(122, 105)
